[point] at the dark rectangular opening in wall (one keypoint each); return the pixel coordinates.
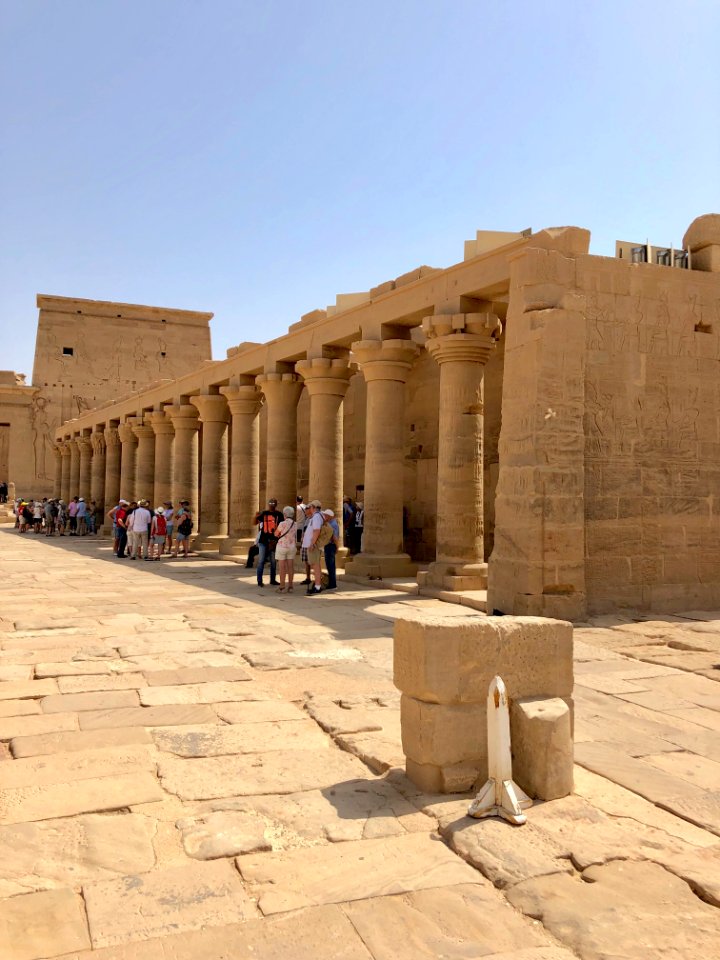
(162, 353)
(68, 351)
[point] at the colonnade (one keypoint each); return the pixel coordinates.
(205, 448)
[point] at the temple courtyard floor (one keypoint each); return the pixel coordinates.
(193, 769)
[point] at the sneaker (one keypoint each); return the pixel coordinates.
(306, 581)
(274, 583)
(261, 584)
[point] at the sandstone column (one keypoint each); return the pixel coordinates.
(127, 460)
(244, 402)
(327, 383)
(282, 393)
(112, 472)
(57, 478)
(74, 487)
(164, 434)
(185, 422)
(213, 520)
(145, 465)
(461, 344)
(385, 365)
(65, 477)
(97, 474)
(86, 453)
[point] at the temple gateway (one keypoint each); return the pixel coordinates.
(533, 421)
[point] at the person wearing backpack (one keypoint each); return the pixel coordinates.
(158, 532)
(183, 529)
(268, 521)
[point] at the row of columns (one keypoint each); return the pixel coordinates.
(159, 456)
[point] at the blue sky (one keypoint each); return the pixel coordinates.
(257, 158)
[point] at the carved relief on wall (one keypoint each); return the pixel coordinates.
(43, 442)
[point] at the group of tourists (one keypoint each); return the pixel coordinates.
(141, 533)
(50, 517)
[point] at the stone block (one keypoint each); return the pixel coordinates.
(42, 925)
(443, 734)
(542, 745)
(441, 660)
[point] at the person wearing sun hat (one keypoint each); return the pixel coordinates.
(158, 533)
(331, 548)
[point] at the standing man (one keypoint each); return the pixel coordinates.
(183, 528)
(268, 521)
(120, 520)
(331, 548)
(72, 514)
(81, 515)
(141, 519)
(311, 553)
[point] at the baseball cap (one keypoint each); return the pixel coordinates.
(316, 504)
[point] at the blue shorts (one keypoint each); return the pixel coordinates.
(182, 536)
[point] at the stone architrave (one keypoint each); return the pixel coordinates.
(145, 463)
(164, 455)
(74, 489)
(128, 459)
(461, 344)
(112, 470)
(185, 422)
(57, 481)
(214, 417)
(385, 364)
(282, 393)
(327, 382)
(65, 468)
(244, 402)
(97, 471)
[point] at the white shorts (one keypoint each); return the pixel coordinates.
(285, 553)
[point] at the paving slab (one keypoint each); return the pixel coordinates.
(42, 925)
(280, 772)
(193, 675)
(159, 716)
(98, 700)
(51, 743)
(356, 870)
(215, 692)
(23, 689)
(688, 766)
(23, 804)
(11, 727)
(225, 833)
(66, 767)
(19, 708)
(622, 910)
(180, 899)
(241, 738)
(259, 711)
(97, 682)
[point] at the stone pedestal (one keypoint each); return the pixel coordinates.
(97, 470)
(244, 402)
(443, 667)
(164, 435)
(185, 422)
(282, 393)
(213, 519)
(385, 364)
(128, 457)
(461, 344)
(145, 464)
(112, 472)
(74, 483)
(327, 382)
(65, 455)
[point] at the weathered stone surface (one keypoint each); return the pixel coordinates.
(160, 716)
(279, 772)
(219, 692)
(259, 711)
(43, 744)
(11, 727)
(223, 834)
(542, 747)
(455, 923)
(185, 642)
(102, 700)
(337, 717)
(95, 682)
(42, 925)
(152, 905)
(169, 678)
(320, 933)
(624, 910)
(19, 708)
(77, 668)
(22, 689)
(74, 850)
(215, 741)
(351, 871)
(66, 767)
(23, 804)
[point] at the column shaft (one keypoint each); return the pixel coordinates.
(214, 418)
(112, 468)
(164, 436)
(65, 476)
(128, 458)
(282, 393)
(145, 464)
(244, 403)
(86, 454)
(97, 475)
(74, 468)
(57, 479)
(185, 462)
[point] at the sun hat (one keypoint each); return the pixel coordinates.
(160, 510)
(328, 513)
(316, 504)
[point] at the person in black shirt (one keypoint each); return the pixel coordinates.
(268, 521)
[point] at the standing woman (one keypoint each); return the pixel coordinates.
(169, 524)
(286, 533)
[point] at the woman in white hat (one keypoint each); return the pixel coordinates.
(158, 532)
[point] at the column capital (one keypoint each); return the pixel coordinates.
(84, 444)
(325, 376)
(280, 386)
(243, 399)
(64, 448)
(97, 438)
(385, 359)
(212, 408)
(126, 433)
(112, 437)
(462, 336)
(143, 430)
(160, 422)
(183, 415)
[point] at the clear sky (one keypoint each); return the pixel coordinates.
(257, 158)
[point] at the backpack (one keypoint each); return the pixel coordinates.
(324, 537)
(160, 525)
(186, 526)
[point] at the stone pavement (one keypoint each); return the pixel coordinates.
(193, 769)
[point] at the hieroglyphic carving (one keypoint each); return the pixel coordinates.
(42, 437)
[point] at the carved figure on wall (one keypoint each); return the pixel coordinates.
(42, 438)
(82, 403)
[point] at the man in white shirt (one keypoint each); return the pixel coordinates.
(139, 524)
(310, 554)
